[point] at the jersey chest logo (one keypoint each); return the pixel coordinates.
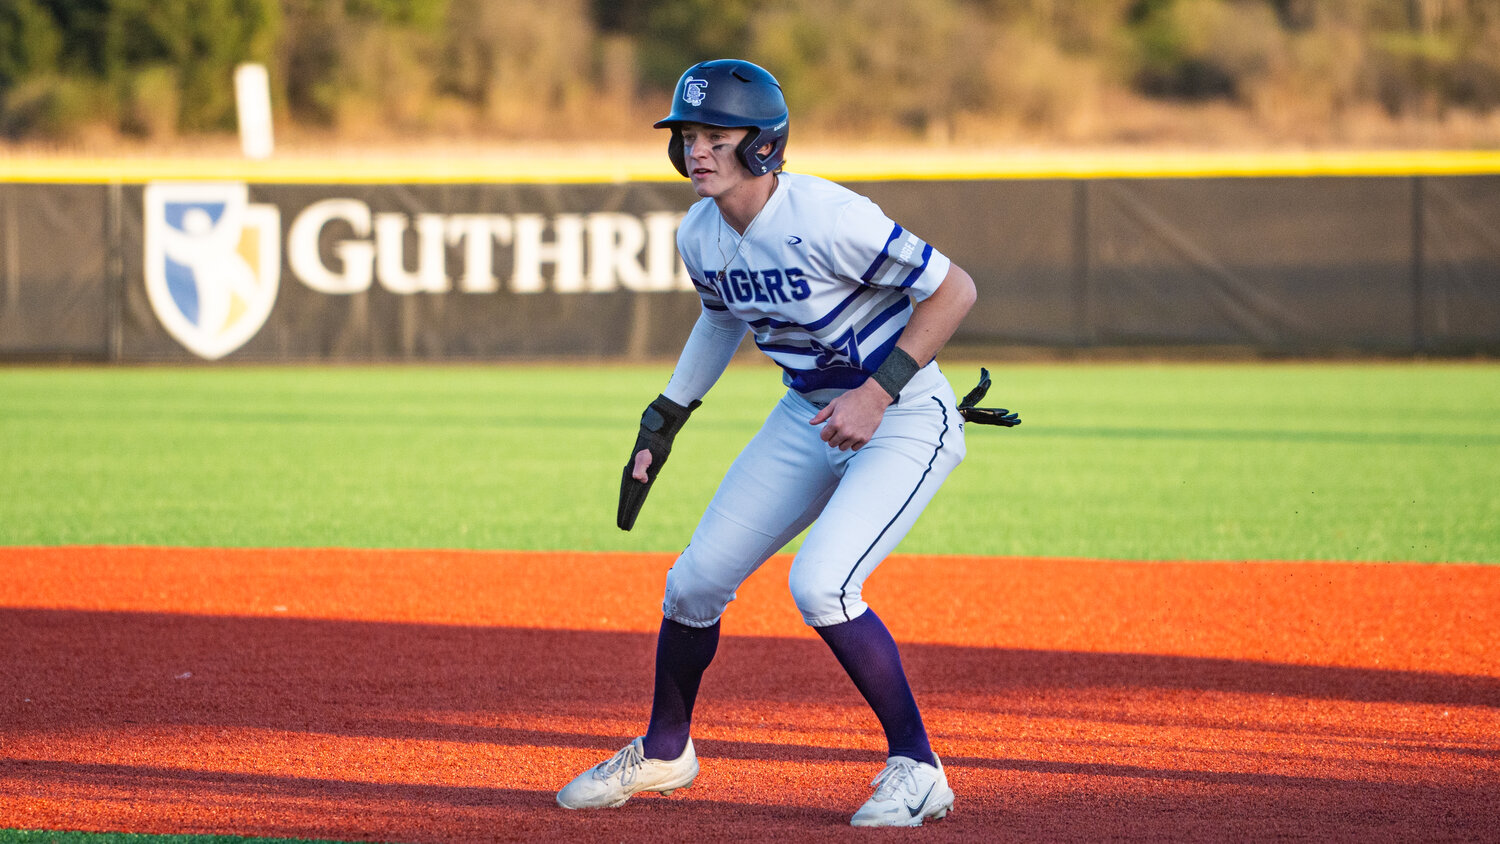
(764, 286)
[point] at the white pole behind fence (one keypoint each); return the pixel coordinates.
(252, 94)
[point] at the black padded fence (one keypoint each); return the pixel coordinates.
(181, 271)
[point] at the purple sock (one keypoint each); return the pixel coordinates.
(682, 655)
(868, 652)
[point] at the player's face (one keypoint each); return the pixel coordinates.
(712, 165)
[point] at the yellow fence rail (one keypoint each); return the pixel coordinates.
(585, 167)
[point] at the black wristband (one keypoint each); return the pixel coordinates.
(896, 371)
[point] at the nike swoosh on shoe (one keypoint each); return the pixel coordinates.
(915, 810)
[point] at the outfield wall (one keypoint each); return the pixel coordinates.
(260, 269)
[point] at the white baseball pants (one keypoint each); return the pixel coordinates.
(860, 505)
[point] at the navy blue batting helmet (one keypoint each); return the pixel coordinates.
(732, 94)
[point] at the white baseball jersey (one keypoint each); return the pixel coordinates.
(824, 279)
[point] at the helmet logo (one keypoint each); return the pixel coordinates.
(693, 91)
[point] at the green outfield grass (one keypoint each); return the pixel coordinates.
(1357, 461)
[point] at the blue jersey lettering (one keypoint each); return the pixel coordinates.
(769, 286)
(740, 281)
(800, 289)
(773, 282)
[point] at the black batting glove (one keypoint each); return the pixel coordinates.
(660, 423)
(986, 415)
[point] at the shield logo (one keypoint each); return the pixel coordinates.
(213, 264)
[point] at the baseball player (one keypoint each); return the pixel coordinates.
(854, 308)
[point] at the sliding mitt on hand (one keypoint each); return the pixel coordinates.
(659, 425)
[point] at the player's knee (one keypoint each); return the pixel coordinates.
(821, 599)
(692, 598)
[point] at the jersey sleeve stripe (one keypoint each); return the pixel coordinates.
(885, 254)
(902, 274)
(916, 272)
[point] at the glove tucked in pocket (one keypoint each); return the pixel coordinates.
(986, 415)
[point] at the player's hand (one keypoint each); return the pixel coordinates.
(850, 420)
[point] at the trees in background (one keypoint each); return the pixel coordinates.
(935, 69)
(143, 67)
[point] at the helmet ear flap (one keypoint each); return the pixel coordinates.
(745, 152)
(677, 151)
(757, 164)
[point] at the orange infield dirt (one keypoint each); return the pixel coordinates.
(446, 696)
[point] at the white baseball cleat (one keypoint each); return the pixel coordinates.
(907, 792)
(610, 784)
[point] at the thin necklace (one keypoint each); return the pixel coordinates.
(719, 236)
(719, 241)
